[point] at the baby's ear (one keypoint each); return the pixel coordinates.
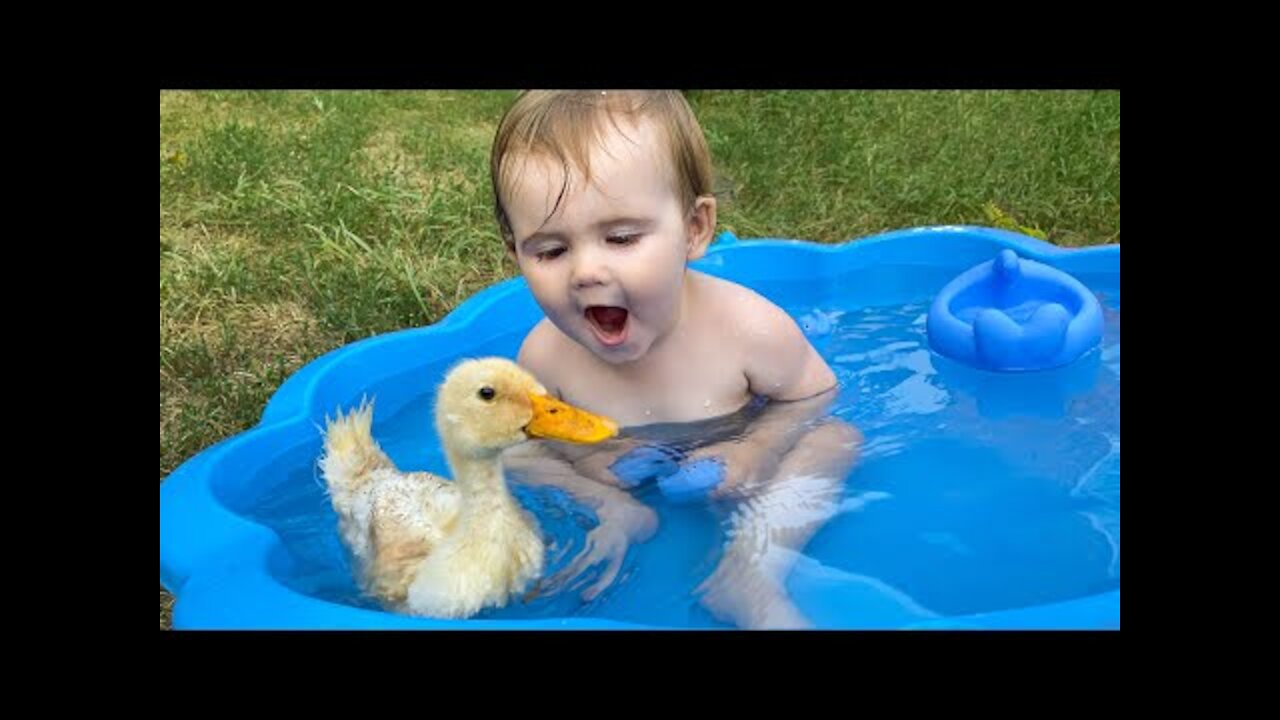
(701, 226)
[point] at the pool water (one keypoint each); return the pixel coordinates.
(974, 492)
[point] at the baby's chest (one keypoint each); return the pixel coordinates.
(696, 394)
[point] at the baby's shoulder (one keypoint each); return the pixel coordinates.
(778, 360)
(736, 306)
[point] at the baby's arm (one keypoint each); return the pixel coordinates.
(737, 466)
(777, 359)
(780, 364)
(622, 519)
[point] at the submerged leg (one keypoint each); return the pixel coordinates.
(771, 524)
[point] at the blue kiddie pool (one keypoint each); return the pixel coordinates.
(982, 367)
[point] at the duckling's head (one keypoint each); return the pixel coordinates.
(487, 405)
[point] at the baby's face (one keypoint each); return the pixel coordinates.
(608, 267)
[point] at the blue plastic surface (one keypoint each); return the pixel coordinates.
(1012, 314)
(224, 567)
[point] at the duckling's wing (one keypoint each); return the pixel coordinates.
(419, 504)
(437, 501)
(411, 513)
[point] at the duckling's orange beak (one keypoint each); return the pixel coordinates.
(557, 420)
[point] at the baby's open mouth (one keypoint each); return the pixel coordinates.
(609, 323)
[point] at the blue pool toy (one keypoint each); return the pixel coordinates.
(1011, 314)
(231, 568)
(644, 464)
(677, 478)
(693, 480)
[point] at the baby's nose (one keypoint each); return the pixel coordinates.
(589, 268)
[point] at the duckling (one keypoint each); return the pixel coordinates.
(427, 546)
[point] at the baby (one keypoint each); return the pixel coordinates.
(603, 198)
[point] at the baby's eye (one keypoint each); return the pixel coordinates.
(551, 254)
(623, 239)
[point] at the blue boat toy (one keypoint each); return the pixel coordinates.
(1014, 314)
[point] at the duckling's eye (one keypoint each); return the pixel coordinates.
(486, 393)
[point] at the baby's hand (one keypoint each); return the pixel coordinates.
(621, 523)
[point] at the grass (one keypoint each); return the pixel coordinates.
(292, 223)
